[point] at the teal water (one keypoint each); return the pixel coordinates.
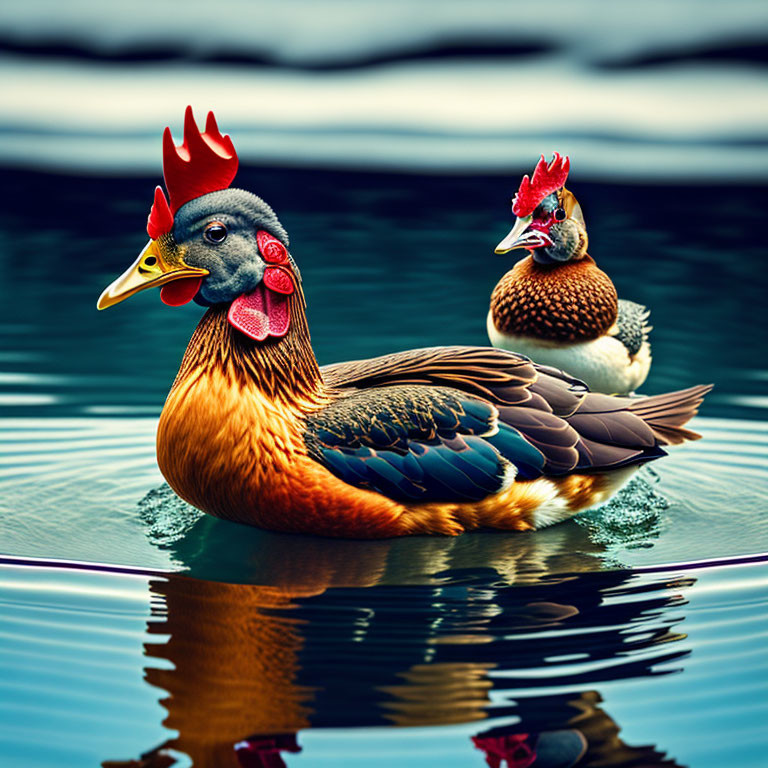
(654, 668)
(133, 626)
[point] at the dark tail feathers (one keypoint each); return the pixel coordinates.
(665, 414)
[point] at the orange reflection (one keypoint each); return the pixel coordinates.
(376, 633)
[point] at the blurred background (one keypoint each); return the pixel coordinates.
(655, 90)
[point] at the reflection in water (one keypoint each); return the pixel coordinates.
(413, 633)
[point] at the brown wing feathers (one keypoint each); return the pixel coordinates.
(492, 374)
(553, 436)
(573, 428)
(610, 431)
(665, 414)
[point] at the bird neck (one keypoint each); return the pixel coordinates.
(284, 369)
(569, 244)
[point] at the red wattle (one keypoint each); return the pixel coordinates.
(180, 291)
(260, 314)
(278, 279)
(271, 249)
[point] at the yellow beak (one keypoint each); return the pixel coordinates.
(152, 269)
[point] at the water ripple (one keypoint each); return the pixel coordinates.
(262, 668)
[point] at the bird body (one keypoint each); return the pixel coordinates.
(239, 440)
(556, 305)
(230, 438)
(569, 317)
(439, 440)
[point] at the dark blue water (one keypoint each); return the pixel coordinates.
(633, 634)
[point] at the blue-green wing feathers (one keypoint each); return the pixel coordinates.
(460, 423)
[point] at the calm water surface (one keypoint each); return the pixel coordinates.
(631, 636)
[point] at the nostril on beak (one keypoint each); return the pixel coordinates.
(148, 265)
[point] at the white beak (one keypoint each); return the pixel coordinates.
(521, 236)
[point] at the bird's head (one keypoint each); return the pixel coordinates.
(549, 219)
(212, 243)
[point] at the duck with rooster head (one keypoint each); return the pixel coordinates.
(556, 305)
(429, 441)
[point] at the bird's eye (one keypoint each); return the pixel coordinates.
(215, 232)
(560, 214)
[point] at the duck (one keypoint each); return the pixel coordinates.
(440, 440)
(556, 305)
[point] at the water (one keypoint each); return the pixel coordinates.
(337, 645)
(131, 625)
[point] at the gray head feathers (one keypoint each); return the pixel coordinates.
(234, 263)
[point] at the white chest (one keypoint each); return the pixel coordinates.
(603, 364)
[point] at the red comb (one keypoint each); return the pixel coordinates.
(204, 162)
(160, 218)
(546, 180)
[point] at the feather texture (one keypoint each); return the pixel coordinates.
(632, 327)
(412, 442)
(482, 371)
(570, 302)
(436, 440)
(409, 435)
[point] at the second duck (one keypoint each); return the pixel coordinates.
(555, 305)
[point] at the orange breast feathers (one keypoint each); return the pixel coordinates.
(232, 452)
(570, 302)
